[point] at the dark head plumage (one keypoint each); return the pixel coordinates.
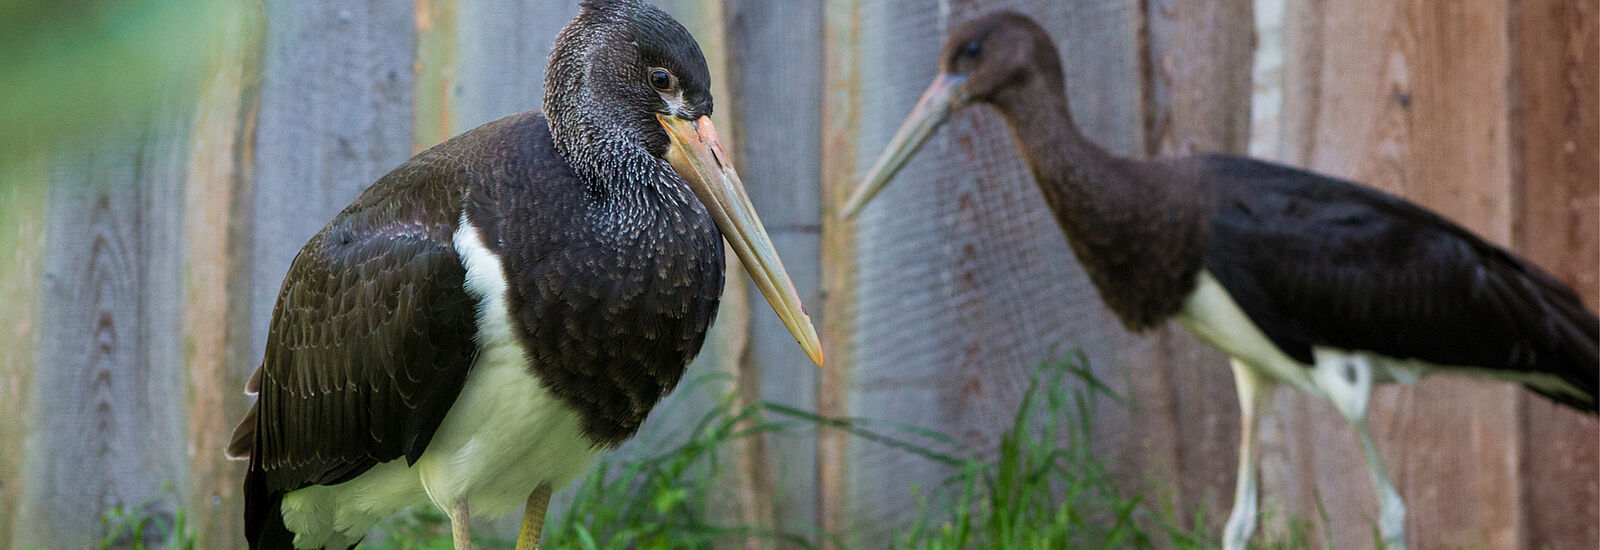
(604, 84)
(999, 52)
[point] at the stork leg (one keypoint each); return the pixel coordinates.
(1391, 510)
(1347, 379)
(533, 518)
(1255, 394)
(461, 526)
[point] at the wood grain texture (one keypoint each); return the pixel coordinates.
(23, 201)
(215, 327)
(502, 46)
(841, 123)
(964, 284)
(1555, 136)
(107, 404)
(1414, 98)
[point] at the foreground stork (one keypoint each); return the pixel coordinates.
(1319, 283)
(492, 314)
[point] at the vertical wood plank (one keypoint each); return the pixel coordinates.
(502, 46)
(841, 122)
(1555, 136)
(1197, 86)
(1200, 57)
(23, 201)
(108, 427)
(774, 59)
(215, 326)
(435, 67)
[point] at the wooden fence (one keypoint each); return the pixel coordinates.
(137, 275)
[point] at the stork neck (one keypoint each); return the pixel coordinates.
(1138, 233)
(1071, 170)
(601, 150)
(603, 141)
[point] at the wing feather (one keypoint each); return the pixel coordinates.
(1318, 261)
(371, 340)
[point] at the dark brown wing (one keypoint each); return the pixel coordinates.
(1320, 261)
(369, 345)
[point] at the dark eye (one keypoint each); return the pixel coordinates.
(972, 48)
(662, 80)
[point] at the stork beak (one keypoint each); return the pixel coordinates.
(697, 155)
(931, 111)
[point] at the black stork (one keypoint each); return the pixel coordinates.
(498, 310)
(1319, 283)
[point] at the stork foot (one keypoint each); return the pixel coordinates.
(1241, 525)
(1392, 519)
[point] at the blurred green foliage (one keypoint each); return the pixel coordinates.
(71, 70)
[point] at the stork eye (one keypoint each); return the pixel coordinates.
(972, 48)
(662, 80)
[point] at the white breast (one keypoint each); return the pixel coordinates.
(504, 435)
(1211, 315)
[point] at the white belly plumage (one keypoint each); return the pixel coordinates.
(1211, 315)
(504, 436)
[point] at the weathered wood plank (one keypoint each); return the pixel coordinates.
(840, 125)
(1555, 136)
(436, 65)
(108, 426)
(774, 59)
(23, 201)
(479, 60)
(1199, 79)
(215, 327)
(502, 47)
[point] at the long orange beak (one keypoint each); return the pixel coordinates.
(931, 111)
(697, 155)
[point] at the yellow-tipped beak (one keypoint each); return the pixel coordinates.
(932, 110)
(697, 155)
